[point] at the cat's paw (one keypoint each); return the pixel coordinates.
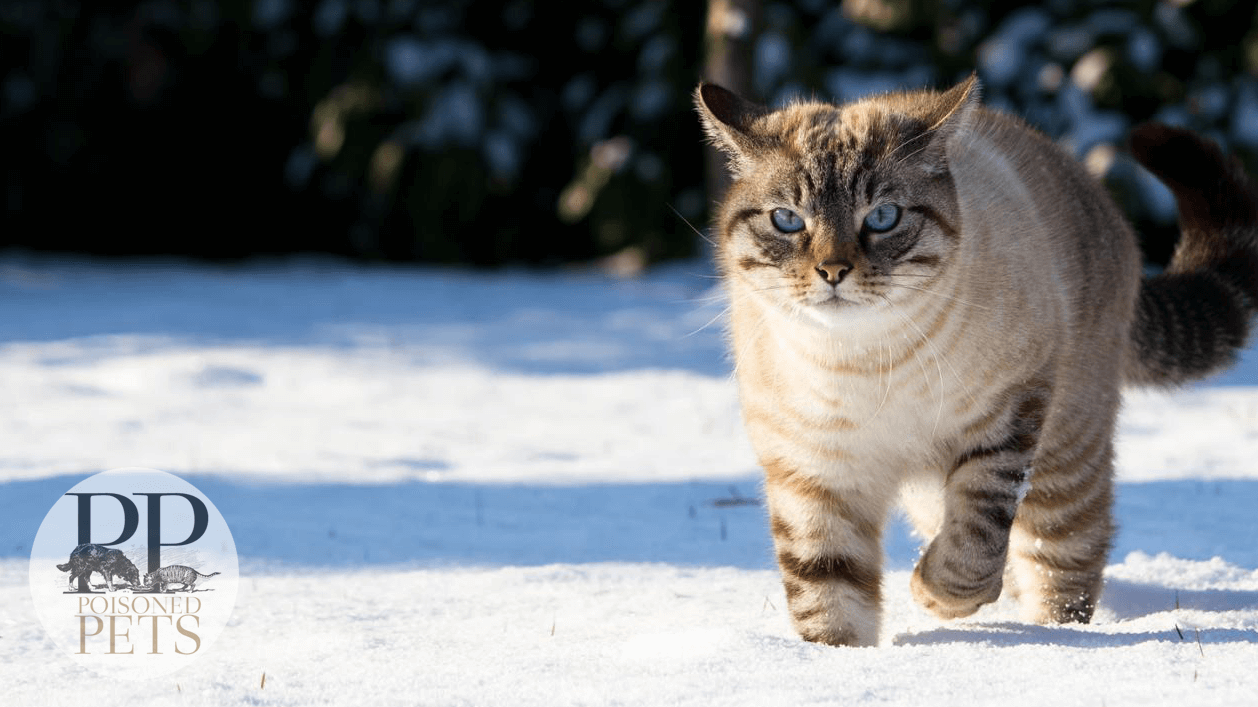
(950, 602)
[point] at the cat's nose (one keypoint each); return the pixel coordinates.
(833, 271)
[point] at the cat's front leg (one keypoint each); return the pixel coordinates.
(964, 565)
(828, 542)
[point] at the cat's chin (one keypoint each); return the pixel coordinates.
(837, 312)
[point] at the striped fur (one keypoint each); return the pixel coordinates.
(964, 361)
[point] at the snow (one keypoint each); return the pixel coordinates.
(514, 487)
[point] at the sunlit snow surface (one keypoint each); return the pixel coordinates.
(450, 487)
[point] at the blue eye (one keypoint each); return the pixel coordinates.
(786, 221)
(883, 218)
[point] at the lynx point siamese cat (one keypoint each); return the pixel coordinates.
(932, 302)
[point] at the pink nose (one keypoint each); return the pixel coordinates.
(833, 271)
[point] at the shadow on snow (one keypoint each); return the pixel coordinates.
(511, 320)
(299, 527)
(1018, 634)
(712, 523)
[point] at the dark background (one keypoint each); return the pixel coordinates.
(526, 131)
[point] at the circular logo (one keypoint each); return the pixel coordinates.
(134, 573)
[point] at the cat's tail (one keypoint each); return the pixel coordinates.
(1193, 318)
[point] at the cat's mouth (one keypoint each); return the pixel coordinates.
(832, 301)
(830, 311)
(837, 301)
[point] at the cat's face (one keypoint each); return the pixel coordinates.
(837, 211)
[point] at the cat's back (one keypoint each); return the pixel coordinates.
(1027, 197)
(1039, 171)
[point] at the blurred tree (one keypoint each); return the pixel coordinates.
(1083, 72)
(464, 131)
(385, 130)
(729, 34)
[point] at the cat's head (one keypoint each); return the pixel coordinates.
(837, 210)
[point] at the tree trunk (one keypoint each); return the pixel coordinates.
(728, 42)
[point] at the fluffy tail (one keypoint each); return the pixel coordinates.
(1192, 319)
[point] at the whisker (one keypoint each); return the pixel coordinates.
(774, 287)
(710, 322)
(936, 355)
(691, 225)
(945, 296)
(886, 393)
(709, 299)
(905, 158)
(920, 364)
(902, 145)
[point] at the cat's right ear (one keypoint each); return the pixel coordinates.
(730, 123)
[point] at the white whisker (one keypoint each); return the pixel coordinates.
(935, 355)
(927, 135)
(698, 233)
(711, 321)
(945, 296)
(886, 393)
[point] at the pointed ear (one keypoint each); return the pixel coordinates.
(952, 112)
(730, 123)
(955, 108)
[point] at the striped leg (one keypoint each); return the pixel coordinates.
(1062, 534)
(830, 553)
(963, 567)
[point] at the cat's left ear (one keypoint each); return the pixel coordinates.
(951, 113)
(731, 124)
(956, 107)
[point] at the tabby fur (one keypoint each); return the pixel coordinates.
(965, 362)
(182, 575)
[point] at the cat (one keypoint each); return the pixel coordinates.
(932, 302)
(186, 577)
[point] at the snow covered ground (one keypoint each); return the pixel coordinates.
(532, 488)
